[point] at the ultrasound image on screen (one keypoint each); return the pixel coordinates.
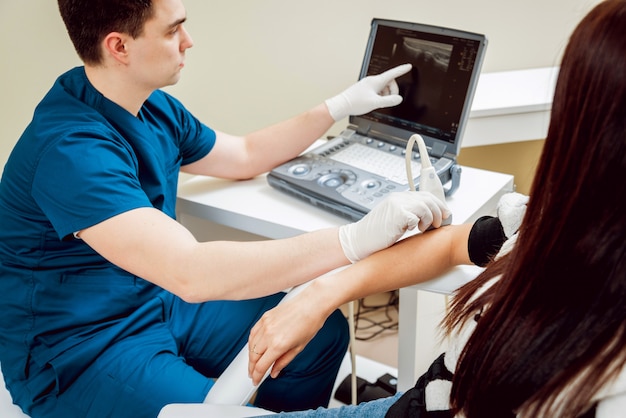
(435, 89)
(421, 88)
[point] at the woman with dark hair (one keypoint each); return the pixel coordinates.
(552, 333)
(542, 331)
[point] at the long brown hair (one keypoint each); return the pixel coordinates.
(552, 330)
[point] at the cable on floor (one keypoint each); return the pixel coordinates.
(371, 320)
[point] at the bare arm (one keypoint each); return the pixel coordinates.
(153, 246)
(242, 157)
(414, 260)
(285, 330)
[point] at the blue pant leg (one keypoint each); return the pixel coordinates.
(211, 334)
(307, 382)
(134, 378)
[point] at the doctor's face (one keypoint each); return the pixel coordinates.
(157, 56)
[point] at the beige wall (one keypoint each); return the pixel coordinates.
(258, 61)
(517, 158)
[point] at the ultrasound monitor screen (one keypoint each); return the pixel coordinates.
(435, 90)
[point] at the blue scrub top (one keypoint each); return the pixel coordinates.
(81, 160)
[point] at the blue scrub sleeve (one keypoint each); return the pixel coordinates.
(84, 179)
(194, 139)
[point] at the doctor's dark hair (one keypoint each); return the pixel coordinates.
(89, 21)
(553, 328)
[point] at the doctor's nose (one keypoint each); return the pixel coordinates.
(186, 40)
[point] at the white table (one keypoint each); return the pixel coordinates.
(255, 207)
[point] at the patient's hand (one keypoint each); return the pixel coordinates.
(282, 333)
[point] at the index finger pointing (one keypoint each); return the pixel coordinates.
(396, 72)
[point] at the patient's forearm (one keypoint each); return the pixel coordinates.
(414, 260)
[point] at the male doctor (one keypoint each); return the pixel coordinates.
(110, 308)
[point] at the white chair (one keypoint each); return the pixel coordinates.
(7, 408)
(204, 410)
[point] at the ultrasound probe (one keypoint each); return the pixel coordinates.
(429, 180)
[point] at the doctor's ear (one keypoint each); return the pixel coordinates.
(114, 45)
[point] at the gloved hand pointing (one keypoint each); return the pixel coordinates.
(369, 93)
(389, 220)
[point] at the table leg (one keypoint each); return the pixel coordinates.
(407, 339)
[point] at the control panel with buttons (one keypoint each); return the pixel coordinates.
(352, 173)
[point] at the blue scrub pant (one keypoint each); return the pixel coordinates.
(173, 361)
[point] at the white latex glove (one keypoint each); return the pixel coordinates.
(369, 93)
(511, 210)
(389, 220)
